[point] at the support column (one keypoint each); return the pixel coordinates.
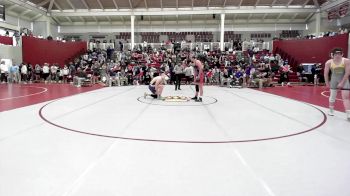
(318, 24)
(48, 26)
(132, 32)
(222, 32)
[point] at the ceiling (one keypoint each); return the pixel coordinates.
(70, 12)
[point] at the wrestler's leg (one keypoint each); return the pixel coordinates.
(196, 95)
(346, 100)
(160, 91)
(332, 97)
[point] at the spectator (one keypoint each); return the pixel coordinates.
(65, 73)
(4, 71)
(79, 78)
(46, 72)
(178, 69)
(24, 72)
(284, 74)
(38, 73)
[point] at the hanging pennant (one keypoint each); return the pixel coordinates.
(343, 10)
(332, 14)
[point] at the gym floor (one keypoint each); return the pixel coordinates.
(59, 140)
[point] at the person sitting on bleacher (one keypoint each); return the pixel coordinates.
(284, 74)
(95, 68)
(237, 77)
(259, 79)
(249, 70)
(122, 77)
(147, 78)
(79, 77)
(224, 76)
(113, 79)
(216, 75)
(301, 74)
(316, 73)
(209, 77)
(104, 74)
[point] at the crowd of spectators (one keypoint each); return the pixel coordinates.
(110, 67)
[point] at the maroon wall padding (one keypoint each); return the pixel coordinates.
(6, 40)
(50, 51)
(311, 50)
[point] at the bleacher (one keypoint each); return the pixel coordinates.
(203, 36)
(199, 36)
(150, 37)
(124, 35)
(289, 34)
(230, 35)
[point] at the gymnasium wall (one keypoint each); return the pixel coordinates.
(39, 28)
(44, 51)
(326, 25)
(6, 40)
(17, 22)
(54, 31)
(312, 50)
(11, 52)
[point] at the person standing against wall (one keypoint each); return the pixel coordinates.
(4, 71)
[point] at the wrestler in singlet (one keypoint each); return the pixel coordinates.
(338, 72)
(338, 66)
(199, 80)
(199, 76)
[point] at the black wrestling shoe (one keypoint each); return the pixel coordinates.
(194, 98)
(154, 96)
(199, 99)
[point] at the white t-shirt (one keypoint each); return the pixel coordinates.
(65, 71)
(24, 69)
(46, 69)
(53, 69)
(4, 68)
(189, 71)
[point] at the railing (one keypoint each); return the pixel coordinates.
(258, 45)
(103, 46)
(201, 46)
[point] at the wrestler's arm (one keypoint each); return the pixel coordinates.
(157, 85)
(200, 69)
(346, 75)
(195, 73)
(326, 72)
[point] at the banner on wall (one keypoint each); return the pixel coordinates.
(338, 12)
(343, 9)
(332, 14)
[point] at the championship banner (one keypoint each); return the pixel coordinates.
(332, 14)
(343, 10)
